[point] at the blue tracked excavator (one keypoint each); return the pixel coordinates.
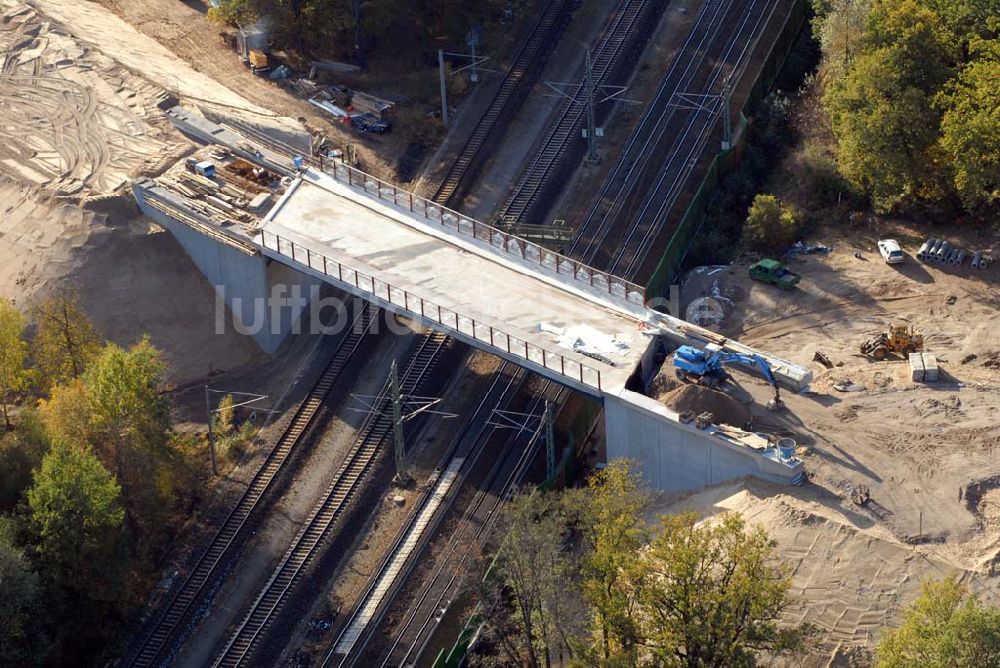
(707, 367)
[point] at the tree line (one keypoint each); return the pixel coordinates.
(94, 483)
(351, 28)
(912, 90)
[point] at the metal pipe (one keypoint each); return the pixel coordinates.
(960, 258)
(977, 260)
(930, 254)
(942, 252)
(952, 254)
(923, 248)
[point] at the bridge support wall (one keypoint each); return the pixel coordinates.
(245, 285)
(675, 457)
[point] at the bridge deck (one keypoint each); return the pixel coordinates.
(382, 249)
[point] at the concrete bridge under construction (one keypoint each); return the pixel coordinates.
(502, 294)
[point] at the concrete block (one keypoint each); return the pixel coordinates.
(917, 367)
(930, 367)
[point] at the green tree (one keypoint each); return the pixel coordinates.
(234, 12)
(946, 627)
(117, 410)
(19, 603)
(536, 575)
(14, 375)
(66, 415)
(609, 514)
(130, 422)
(882, 110)
(127, 407)
(710, 594)
(76, 518)
(225, 414)
(65, 341)
(840, 31)
(770, 223)
(21, 451)
(970, 128)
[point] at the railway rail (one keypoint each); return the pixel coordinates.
(156, 641)
(686, 152)
(640, 148)
(564, 132)
(631, 211)
(510, 95)
(322, 519)
(411, 637)
(466, 449)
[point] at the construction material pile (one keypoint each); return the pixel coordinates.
(700, 399)
(941, 250)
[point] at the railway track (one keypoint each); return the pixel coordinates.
(640, 148)
(322, 519)
(564, 132)
(412, 635)
(630, 213)
(390, 577)
(508, 98)
(156, 641)
(701, 124)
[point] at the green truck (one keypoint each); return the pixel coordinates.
(772, 271)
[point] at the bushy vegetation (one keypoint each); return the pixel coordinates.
(350, 28)
(770, 223)
(912, 89)
(945, 626)
(581, 579)
(902, 115)
(94, 484)
(772, 133)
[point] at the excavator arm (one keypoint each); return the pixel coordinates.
(754, 361)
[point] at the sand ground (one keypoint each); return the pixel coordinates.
(926, 451)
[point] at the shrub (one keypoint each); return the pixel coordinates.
(770, 223)
(822, 184)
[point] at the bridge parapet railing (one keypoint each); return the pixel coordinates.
(448, 318)
(510, 244)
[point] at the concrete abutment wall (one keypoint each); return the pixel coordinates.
(245, 284)
(675, 457)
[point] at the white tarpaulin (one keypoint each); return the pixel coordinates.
(586, 339)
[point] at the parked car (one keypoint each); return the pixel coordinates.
(775, 273)
(890, 251)
(369, 122)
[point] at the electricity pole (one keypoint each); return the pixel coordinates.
(211, 438)
(589, 88)
(402, 477)
(212, 411)
(550, 441)
(472, 39)
(474, 66)
(404, 407)
(444, 89)
(727, 123)
(591, 122)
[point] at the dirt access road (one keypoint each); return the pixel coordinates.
(926, 451)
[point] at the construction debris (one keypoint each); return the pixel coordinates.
(849, 386)
(822, 359)
(861, 495)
